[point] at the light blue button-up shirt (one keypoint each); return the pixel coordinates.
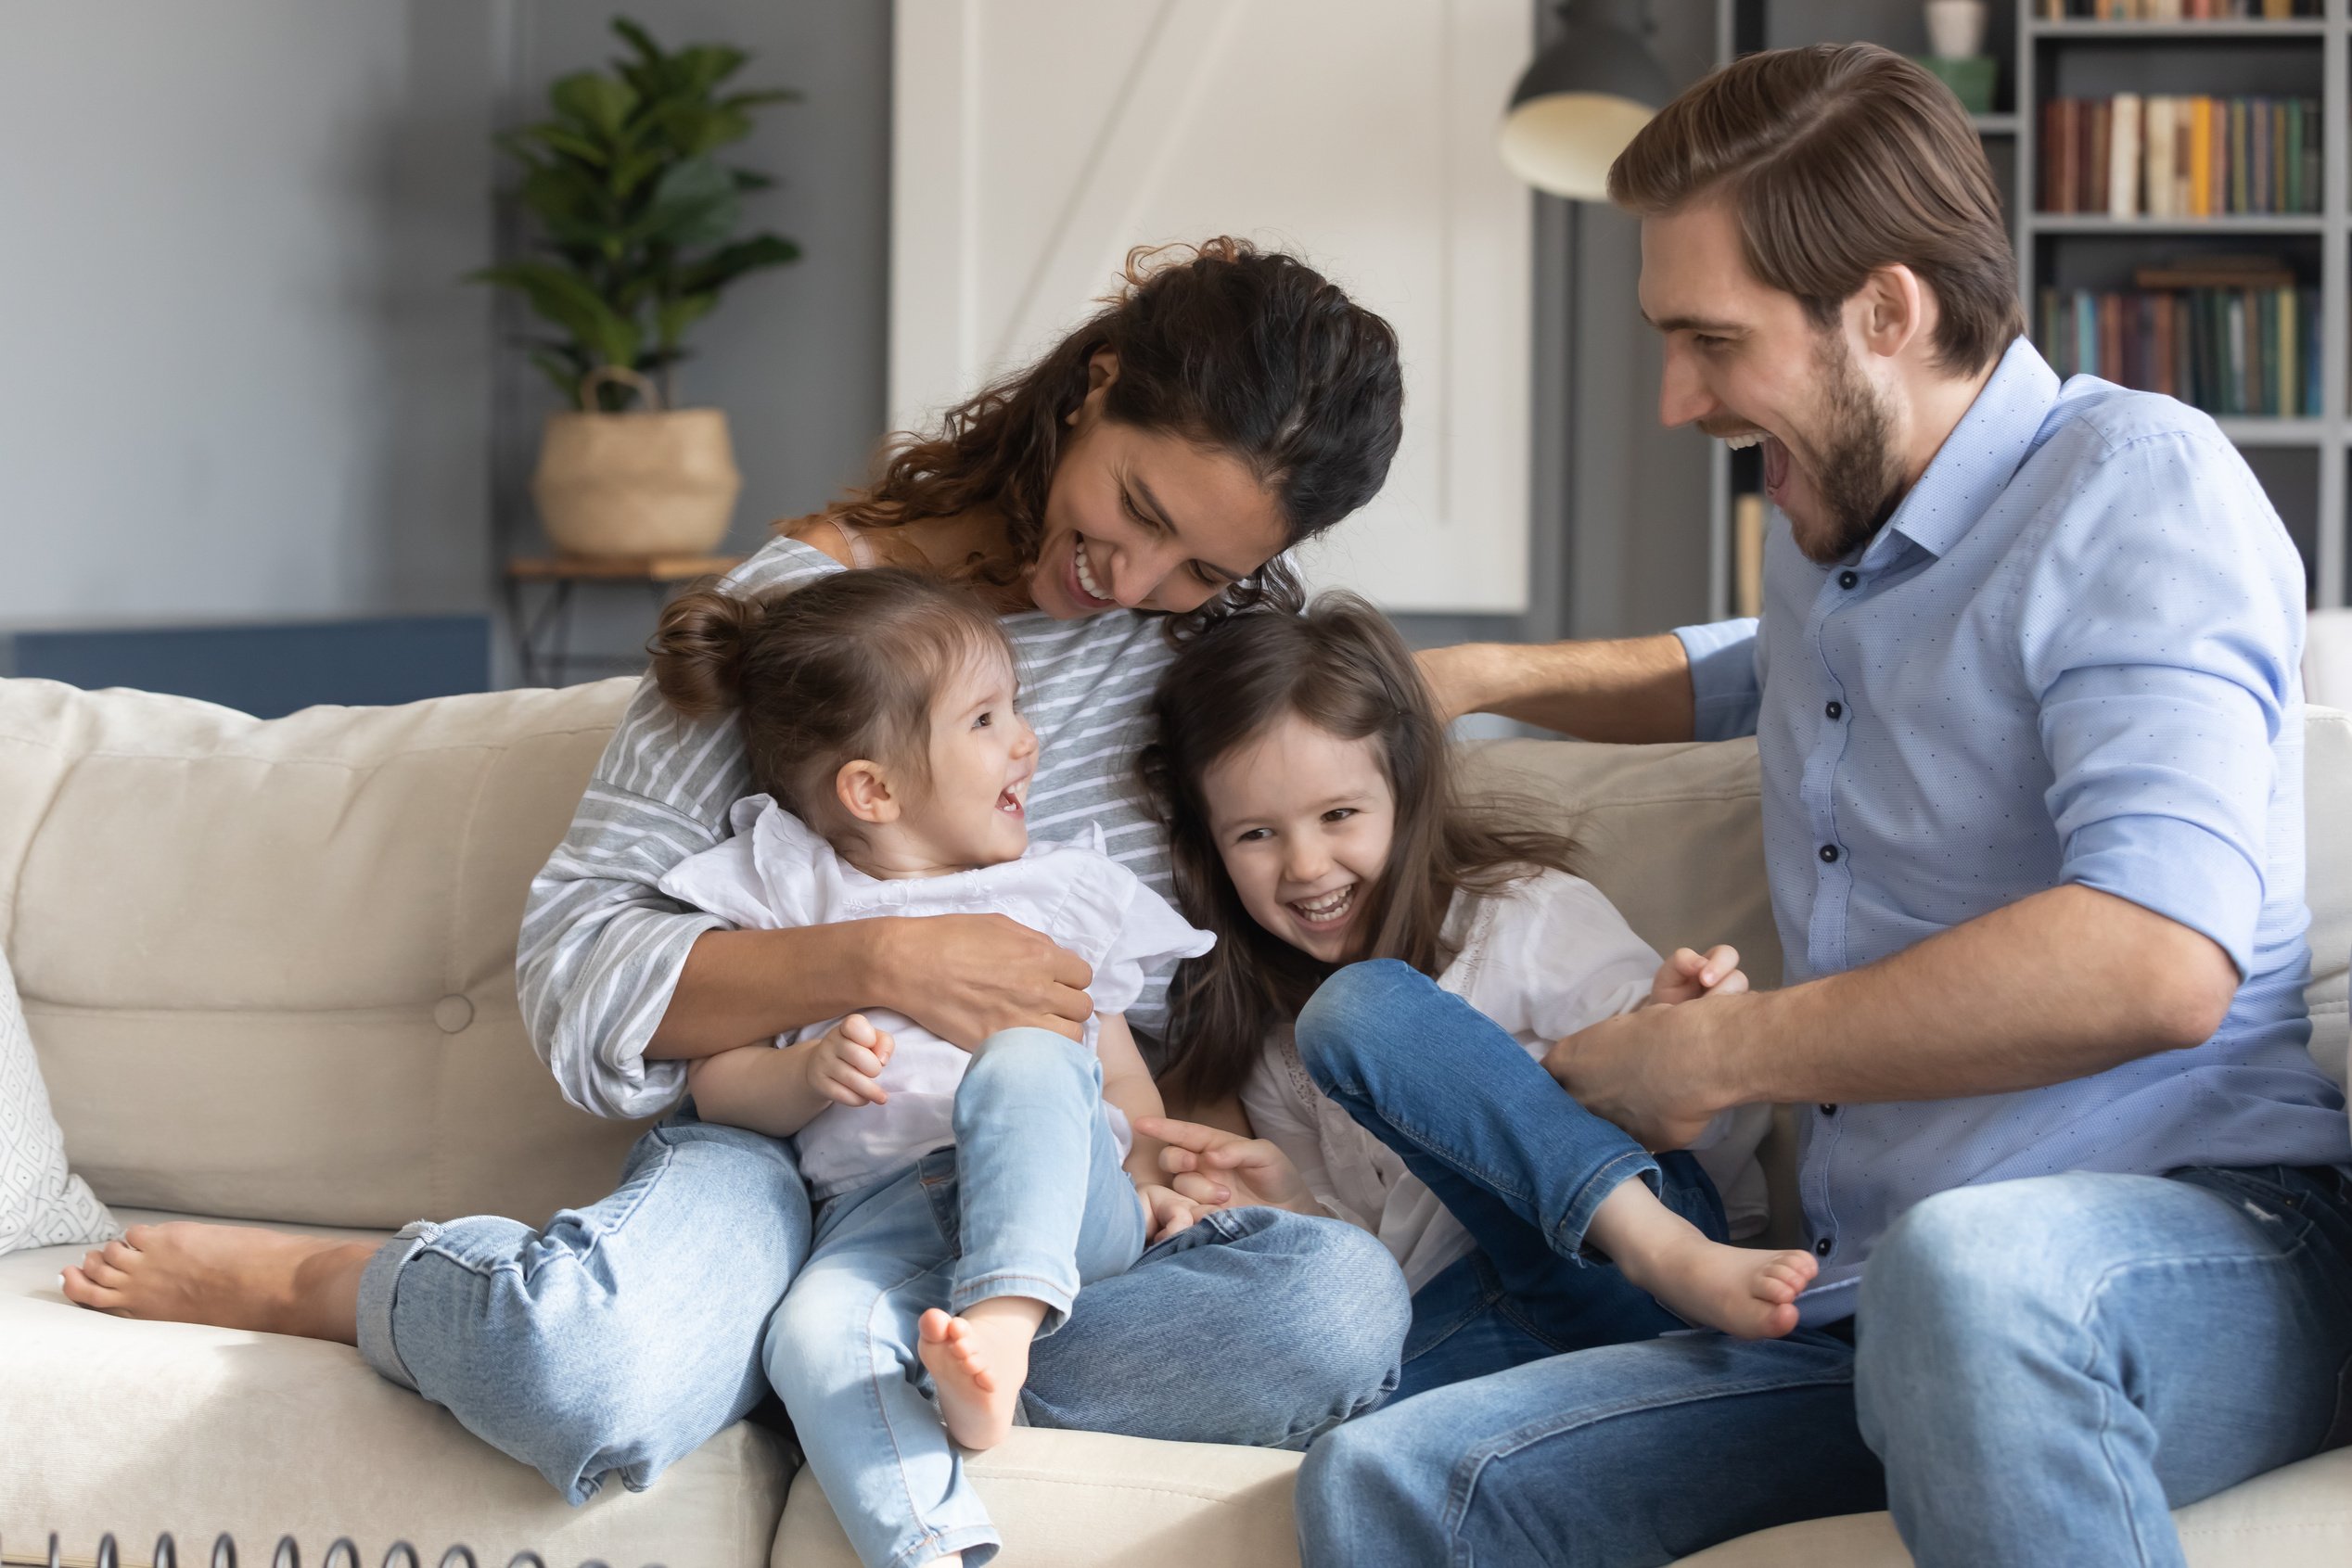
(2070, 657)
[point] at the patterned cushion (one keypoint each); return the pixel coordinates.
(42, 1204)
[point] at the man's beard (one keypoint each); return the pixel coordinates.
(1858, 482)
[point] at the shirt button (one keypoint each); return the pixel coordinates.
(1829, 1110)
(1837, 710)
(1821, 1247)
(1847, 578)
(1829, 854)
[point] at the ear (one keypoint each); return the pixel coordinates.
(863, 789)
(1895, 310)
(1102, 369)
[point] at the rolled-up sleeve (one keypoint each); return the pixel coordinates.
(2159, 723)
(602, 946)
(1725, 692)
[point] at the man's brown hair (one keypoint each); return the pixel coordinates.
(1838, 160)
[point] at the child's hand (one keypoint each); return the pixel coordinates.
(845, 1063)
(1167, 1213)
(1687, 976)
(1219, 1169)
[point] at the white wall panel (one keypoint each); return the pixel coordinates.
(1035, 141)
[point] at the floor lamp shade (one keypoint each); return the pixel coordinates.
(1583, 98)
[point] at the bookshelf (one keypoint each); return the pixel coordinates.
(2304, 459)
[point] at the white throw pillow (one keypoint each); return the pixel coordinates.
(42, 1204)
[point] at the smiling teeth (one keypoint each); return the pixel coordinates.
(1743, 440)
(1329, 905)
(1085, 573)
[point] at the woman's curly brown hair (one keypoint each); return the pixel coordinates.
(1253, 353)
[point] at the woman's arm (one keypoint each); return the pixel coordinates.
(962, 976)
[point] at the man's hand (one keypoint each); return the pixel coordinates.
(1221, 1170)
(1649, 1070)
(966, 976)
(845, 1063)
(1688, 975)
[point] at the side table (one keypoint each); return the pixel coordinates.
(542, 640)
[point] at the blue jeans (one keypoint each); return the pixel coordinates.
(2045, 1369)
(620, 1337)
(1030, 1202)
(1513, 1157)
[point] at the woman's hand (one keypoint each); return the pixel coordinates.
(1219, 1169)
(967, 976)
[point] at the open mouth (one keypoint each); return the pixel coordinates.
(1326, 910)
(1088, 592)
(1009, 802)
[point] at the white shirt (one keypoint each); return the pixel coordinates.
(776, 873)
(1543, 959)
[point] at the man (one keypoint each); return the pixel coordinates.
(2025, 695)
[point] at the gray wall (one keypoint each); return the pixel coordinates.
(245, 382)
(239, 384)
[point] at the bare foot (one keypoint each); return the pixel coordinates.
(1744, 1291)
(231, 1276)
(978, 1362)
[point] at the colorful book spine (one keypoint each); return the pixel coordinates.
(2180, 156)
(2229, 350)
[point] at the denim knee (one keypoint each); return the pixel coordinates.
(1348, 1285)
(1351, 1017)
(1034, 1056)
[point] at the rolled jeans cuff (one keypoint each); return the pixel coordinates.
(378, 1284)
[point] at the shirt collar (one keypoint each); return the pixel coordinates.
(1977, 460)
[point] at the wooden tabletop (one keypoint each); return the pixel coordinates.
(619, 568)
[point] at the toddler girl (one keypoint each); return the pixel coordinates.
(1305, 777)
(963, 1200)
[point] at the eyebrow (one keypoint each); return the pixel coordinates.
(1696, 323)
(1160, 513)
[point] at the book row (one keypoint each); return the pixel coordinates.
(2131, 157)
(2226, 350)
(2180, 10)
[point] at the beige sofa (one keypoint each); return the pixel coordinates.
(268, 969)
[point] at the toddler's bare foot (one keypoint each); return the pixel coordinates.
(1744, 1291)
(231, 1276)
(978, 1362)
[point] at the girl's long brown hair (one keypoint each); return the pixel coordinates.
(1343, 668)
(1252, 353)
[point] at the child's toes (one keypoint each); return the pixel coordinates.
(934, 1326)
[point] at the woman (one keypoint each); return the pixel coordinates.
(1226, 405)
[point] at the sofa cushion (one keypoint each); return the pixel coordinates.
(108, 1425)
(269, 966)
(2299, 1517)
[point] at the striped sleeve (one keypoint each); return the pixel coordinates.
(601, 946)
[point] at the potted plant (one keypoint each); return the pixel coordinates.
(636, 220)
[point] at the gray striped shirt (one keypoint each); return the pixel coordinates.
(601, 948)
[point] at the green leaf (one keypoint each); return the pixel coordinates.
(722, 266)
(672, 317)
(694, 203)
(596, 100)
(633, 33)
(559, 137)
(563, 298)
(633, 170)
(704, 66)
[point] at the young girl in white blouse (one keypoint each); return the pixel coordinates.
(1391, 965)
(963, 1199)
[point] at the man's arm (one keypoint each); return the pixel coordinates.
(1634, 689)
(2062, 985)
